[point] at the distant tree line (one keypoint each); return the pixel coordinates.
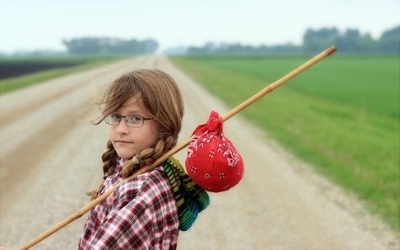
(109, 46)
(350, 41)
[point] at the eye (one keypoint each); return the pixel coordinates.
(135, 118)
(115, 117)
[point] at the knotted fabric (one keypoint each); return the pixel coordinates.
(212, 160)
(190, 198)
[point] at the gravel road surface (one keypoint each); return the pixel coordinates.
(50, 156)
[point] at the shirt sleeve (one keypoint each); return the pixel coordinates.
(127, 225)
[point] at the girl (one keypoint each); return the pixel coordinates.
(144, 111)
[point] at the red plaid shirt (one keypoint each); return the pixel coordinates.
(141, 214)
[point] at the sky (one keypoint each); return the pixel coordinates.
(43, 24)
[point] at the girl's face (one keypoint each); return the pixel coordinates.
(128, 141)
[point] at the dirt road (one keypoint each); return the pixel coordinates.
(50, 156)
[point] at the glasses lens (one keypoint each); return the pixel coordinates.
(113, 119)
(134, 121)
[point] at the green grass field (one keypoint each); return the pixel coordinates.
(82, 63)
(341, 115)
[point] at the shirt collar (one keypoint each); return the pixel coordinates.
(120, 164)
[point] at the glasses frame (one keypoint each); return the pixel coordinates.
(108, 118)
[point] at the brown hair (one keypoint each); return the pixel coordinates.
(160, 97)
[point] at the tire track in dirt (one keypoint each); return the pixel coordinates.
(11, 117)
(23, 161)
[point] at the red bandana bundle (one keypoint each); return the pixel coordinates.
(212, 161)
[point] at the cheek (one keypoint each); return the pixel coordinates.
(148, 137)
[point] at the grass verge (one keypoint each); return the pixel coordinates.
(321, 119)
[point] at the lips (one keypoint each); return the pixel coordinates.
(123, 142)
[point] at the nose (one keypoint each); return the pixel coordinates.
(122, 128)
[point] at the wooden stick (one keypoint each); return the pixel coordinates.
(179, 147)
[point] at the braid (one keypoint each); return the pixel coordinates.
(148, 156)
(109, 160)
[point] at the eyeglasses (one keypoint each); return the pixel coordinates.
(133, 121)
